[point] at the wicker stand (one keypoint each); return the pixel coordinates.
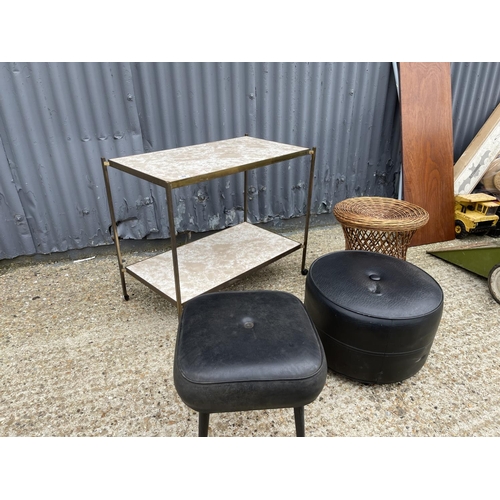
(378, 224)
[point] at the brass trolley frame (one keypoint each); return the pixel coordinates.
(179, 167)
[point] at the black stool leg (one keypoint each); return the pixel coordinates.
(203, 424)
(299, 421)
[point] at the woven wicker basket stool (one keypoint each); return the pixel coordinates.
(378, 224)
(376, 315)
(255, 350)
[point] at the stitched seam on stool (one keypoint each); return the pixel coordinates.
(377, 353)
(253, 380)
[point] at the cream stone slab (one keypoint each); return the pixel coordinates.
(212, 261)
(180, 166)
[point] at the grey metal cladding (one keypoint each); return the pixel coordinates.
(58, 119)
(308, 104)
(476, 93)
(15, 230)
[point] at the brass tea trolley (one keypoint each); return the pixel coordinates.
(185, 272)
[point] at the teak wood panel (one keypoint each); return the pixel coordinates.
(427, 146)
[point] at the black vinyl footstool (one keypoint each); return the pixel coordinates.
(376, 315)
(256, 350)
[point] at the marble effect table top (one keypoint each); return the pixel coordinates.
(213, 260)
(192, 162)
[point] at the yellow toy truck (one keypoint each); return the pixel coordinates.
(475, 213)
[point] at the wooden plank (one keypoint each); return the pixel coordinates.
(427, 144)
(476, 159)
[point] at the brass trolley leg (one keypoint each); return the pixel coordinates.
(105, 165)
(173, 241)
(312, 152)
(245, 199)
(245, 193)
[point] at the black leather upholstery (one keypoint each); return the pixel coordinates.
(377, 315)
(253, 350)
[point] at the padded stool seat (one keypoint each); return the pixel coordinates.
(376, 315)
(238, 351)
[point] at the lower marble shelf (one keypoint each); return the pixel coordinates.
(213, 261)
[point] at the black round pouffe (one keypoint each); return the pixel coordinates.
(376, 315)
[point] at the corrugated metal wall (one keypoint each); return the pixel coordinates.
(58, 119)
(476, 93)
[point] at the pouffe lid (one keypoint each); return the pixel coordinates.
(373, 284)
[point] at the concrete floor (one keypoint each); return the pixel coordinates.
(78, 360)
